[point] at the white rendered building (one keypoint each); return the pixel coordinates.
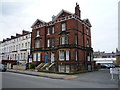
(16, 48)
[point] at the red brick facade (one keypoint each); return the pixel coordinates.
(69, 49)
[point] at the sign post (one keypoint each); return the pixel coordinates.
(18, 62)
(30, 60)
(115, 71)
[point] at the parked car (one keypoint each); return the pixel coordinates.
(104, 66)
(2, 68)
(111, 65)
(107, 66)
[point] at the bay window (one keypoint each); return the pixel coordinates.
(37, 44)
(61, 55)
(37, 57)
(67, 55)
(64, 40)
(64, 55)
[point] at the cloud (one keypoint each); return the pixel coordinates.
(21, 14)
(12, 8)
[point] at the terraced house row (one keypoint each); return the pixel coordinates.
(63, 44)
(15, 48)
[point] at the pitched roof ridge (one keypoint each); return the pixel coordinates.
(60, 13)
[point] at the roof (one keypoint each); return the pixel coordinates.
(37, 21)
(61, 13)
(117, 54)
(87, 21)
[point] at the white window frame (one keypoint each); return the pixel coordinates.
(53, 29)
(67, 55)
(61, 55)
(88, 43)
(63, 26)
(76, 39)
(48, 42)
(52, 57)
(63, 40)
(87, 31)
(88, 57)
(37, 33)
(37, 44)
(48, 31)
(34, 57)
(76, 55)
(67, 68)
(53, 42)
(39, 56)
(61, 68)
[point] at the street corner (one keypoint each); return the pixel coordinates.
(70, 77)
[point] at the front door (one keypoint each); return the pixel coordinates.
(46, 58)
(52, 57)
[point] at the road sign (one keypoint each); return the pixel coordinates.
(115, 70)
(30, 58)
(18, 59)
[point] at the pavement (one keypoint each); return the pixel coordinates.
(42, 74)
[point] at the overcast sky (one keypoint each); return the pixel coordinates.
(17, 15)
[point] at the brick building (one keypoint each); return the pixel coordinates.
(63, 44)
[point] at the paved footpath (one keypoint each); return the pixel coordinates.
(42, 74)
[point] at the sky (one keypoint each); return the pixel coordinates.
(18, 15)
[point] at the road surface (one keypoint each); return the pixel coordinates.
(98, 79)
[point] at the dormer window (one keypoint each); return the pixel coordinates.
(37, 33)
(63, 26)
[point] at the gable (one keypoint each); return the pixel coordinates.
(87, 22)
(62, 13)
(37, 22)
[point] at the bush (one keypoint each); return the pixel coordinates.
(32, 65)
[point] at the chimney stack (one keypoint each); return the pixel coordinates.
(53, 17)
(77, 10)
(12, 37)
(17, 35)
(25, 32)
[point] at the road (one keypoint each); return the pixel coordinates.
(98, 79)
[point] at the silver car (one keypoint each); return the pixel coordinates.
(2, 68)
